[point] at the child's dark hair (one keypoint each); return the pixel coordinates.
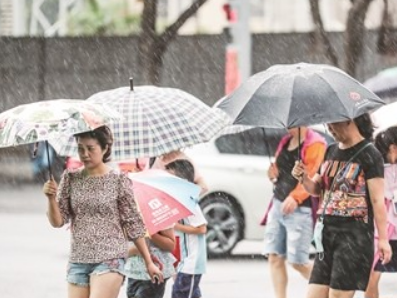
(182, 168)
(104, 137)
(384, 139)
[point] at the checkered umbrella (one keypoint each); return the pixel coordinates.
(155, 121)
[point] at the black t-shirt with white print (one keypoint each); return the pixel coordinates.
(349, 196)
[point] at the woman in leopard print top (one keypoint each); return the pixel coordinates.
(99, 205)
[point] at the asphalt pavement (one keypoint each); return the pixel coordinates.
(33, 257)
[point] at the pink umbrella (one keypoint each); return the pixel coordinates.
(163, 199)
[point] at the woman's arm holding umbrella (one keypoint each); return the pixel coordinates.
(53, 213)
(314, 156)
(311, 184)
(58, 211)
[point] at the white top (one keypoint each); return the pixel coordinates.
(193, 246)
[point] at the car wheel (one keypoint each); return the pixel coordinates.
(225, 224)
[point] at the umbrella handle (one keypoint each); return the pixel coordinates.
(299, 144)
(131, 84)
(48, 158)
(267, 145)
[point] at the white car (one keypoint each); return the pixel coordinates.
(235, 169)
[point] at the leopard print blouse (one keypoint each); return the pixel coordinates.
(103, 215)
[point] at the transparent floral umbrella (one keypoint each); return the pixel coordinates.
(51, 120)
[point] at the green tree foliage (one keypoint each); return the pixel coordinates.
(105, 18)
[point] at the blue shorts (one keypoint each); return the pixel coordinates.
(289, 235)
(79, 273)
(186, 286)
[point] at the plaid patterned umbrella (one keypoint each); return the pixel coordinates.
(156, 121)
(51, 120)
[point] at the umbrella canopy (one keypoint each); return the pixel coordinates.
(384, 83)
(291, 95)
(163, 199)
(51, 120)
(156, 121)
(385, 117)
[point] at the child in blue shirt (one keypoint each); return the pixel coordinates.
(191, 231)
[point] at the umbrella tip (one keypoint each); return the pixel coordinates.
(131, 84)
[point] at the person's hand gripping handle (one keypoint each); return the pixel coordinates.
(272, 172)
(299, 171)
(50, 188)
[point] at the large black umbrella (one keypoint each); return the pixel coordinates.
(384, 84)
(291, 95)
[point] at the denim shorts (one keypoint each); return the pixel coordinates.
(79, 273)
(289, 235)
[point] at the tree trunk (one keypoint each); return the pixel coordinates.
(354, 35)
(320, 34)
(385, 44)
(152, 46)
(147, 44)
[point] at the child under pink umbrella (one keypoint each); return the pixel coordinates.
(161, 162)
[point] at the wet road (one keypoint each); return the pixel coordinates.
(33, 257)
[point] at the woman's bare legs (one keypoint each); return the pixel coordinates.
(278, 270)
(373, 285)
(340, 294)
(304, 269)
(323, 291)
(78, 291)
(317, 291)
(106, 285)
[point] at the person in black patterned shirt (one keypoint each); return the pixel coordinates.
(352, 198)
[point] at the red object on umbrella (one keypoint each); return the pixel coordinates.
(163, 199)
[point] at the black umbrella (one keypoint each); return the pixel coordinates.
(384, 84)
(302, 94)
